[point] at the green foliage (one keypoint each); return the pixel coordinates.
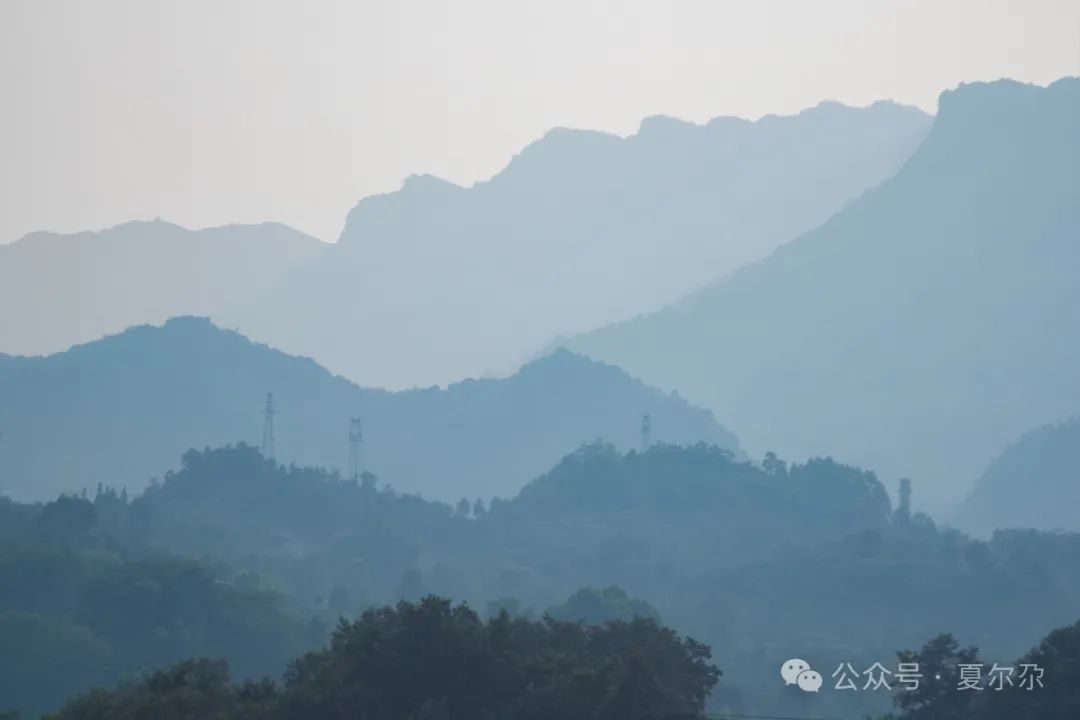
(68, 519)
(758, 561)
(596, 607)
(439, 661)
(48, 657)
(1054, 697)
(937, 697)
(191, 689)
(83, 610)
(1059, 656)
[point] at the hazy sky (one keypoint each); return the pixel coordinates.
(206, 113)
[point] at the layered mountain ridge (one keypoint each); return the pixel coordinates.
(124, 409)
(917, 331)
(580, 229)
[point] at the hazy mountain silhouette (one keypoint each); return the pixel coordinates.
(919, 330)
(59, 290)
(123, 409)
(437, 282)
(1034, 483)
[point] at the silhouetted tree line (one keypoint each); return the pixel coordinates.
(433, 660)
(1051, 690)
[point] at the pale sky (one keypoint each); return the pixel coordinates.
(211, 112)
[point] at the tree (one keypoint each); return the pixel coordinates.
(595, 607)
(191, 689)
(510, 605)
(433, 660)
(68, 519)
(1056, 663)
(773, 465)
(937, 697)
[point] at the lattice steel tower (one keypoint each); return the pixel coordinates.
(356, 446)
(646, 432)
(904, 509)
(267, 446)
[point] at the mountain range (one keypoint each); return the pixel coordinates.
(60, 290)
(580, 229)
(920, 329)
(123, 409)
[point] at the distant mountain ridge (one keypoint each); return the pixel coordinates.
(580, 229)
(1033, 483)
(58, 290)
(123, 409)
(920, 329)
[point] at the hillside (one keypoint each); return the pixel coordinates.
(920, 329)
(85, 608)
(60, 290)
(755, 560)
(123, 409)
(1034, 483)
(580, 229)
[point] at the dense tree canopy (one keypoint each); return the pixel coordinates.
(1041, 685)
(590, 605)
(238, 558)
(433, 660)
(78, 609)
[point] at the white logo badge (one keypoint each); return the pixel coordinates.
(798, 672)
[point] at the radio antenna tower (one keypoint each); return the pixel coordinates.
(356, 442)
(268, 428)
(646, 432)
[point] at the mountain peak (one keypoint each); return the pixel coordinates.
(159, 227)
(555, 151)
(562, 360)
(181, 334)
(425, 183)
(59, 290)
(1005, 97)
(662, 124)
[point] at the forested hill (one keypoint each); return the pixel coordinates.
(738, 555)
(82, 604)
(122, 410)
(693, 508)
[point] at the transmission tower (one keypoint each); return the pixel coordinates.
(646, 432)
(268, 428)
(904, 509)
(356, 442)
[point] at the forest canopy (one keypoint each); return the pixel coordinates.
(434, 660)
(237, 558)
